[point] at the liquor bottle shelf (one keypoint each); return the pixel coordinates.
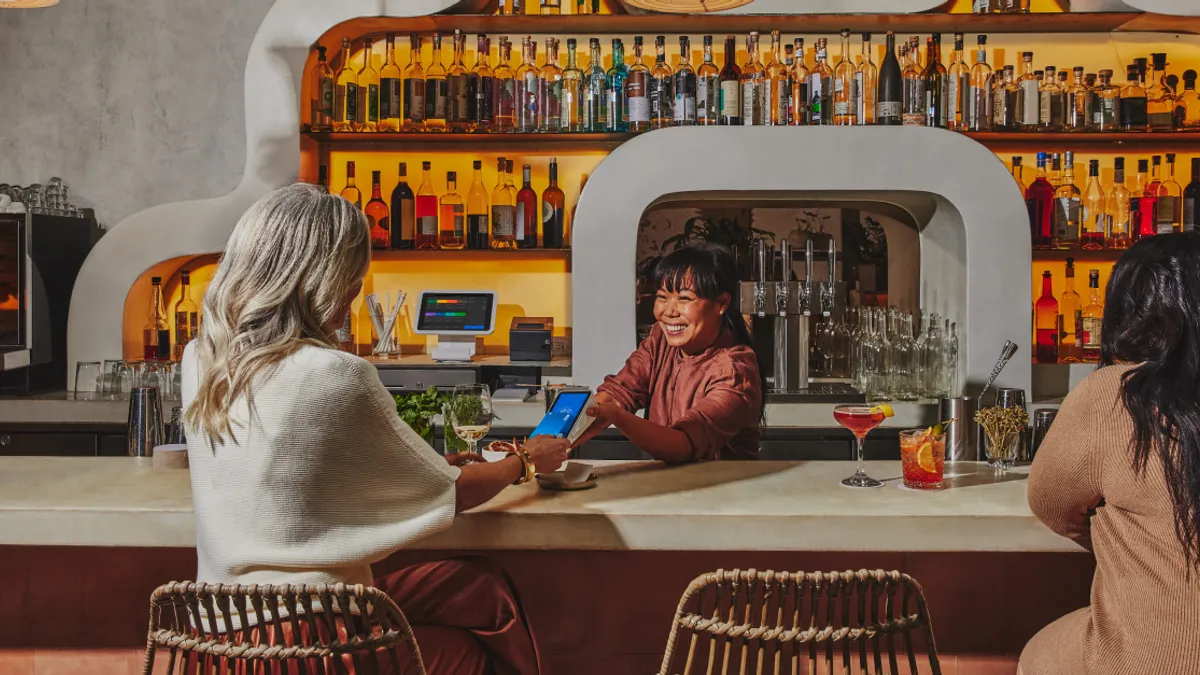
(1087, 139)
(1058, 255)
(476, 255)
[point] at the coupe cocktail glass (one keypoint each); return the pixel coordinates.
(860, 420)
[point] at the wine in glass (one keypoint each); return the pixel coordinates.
(860, 420)
(469, 413)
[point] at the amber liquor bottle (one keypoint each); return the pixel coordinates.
(377, 216)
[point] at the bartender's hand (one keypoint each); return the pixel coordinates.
(461, 458)
(547, 453)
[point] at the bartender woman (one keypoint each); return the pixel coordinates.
(697, 374)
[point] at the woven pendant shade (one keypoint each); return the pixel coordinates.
(687, 6)
(25, 4)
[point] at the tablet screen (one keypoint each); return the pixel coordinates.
(562, 415)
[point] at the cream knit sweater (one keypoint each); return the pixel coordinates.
(320, 482)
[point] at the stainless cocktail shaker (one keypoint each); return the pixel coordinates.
(145, 429)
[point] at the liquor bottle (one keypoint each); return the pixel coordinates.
(1077, 104)
(1160, 101)
(527, 88)
(637, 90)
(551, 7)
(799, 77)
(426, 235)
(414, 88)
(1169, 201)
(458, 116)
(866, 85)
(1005, 102)
(323, 178)
(351, 192)
(891, 86)
(661, 84)
(708, 88)
(1191, 199)
(1094, 219)
(1106, 104)
(571, 103)
(1142, 204)
(777, 95)
(345, 110)
(1017, 176)
(368, 92)
(1173, 84)
(1055, 169)
(404, 210)
(617, 114)
(554, 206)
(754, 85)
(1028, 103)
(1070, 319)
(389, 89)
(594, 104)
(820, 88)
(436, 90)
(1050, 102)
(1093, 319)
(1116, 209)
(187, 315)
(550, 91)
(1046, 324)
(729, 100)
(452, 225)
(156, 336)
(321, 113)
(789, 62)
(915, 112)
(845, 82)
(1066, 204)
(527, 213)
(377, 216)
(503, 212)
(1039, 199)
(937, 89)
(684, 86)
(1133, 103)
(1187, 106)
(477, 210)
(978, 113)
(481, 85)
(504, 105)
(958, 84)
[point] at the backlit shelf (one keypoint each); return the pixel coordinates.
(1054, 255)
(1143, 140)
(466, 255)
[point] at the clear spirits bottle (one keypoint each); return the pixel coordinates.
(504, 107)
(571, 103)
(637, 90)
(1093, 319)
(937, 89)
(958, 83)
(351, 193)
(1050, 102)
(425, 237)
(891, 86)
(1133, 102)
(1116, 207)
(550, 91)
(345, 111)
(503, 210)
(753, 84)
(1169, 202)
(978, 114)
(436, 90)
(1067, 203)
(1187, 105)
(1078, 103)
(1005, 112)
(1070, 318)
(1160, 101)
(662, 81)
(458, 117)
(389, 89)
(730, 98)
(527, 88)
(778, 81)
(799, 77)
(867, 84)
(452, 216)
(708, 88)
(403, 211)
(156, 336)
(187, 314)
(1028, 102)
(684, 108)
(820, 88)
(320, 117)
(845, 85)
(616, 110)
(594, 99)
(554, 211)
(915, 113)
(527, 213)
(378, 219)
(414, 88)
(1095, 220)
(1106, 104)
(481, 85)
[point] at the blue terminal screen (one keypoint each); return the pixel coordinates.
(455, 312)
(562, 415)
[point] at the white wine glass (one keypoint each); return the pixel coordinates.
(469, 413)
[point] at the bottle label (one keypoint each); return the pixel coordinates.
(550, 103)
(520, 222)
(781, 103)
(731, 104)
(660, 99)
(1189, 214)
(527, 96)
(998, 101)
(414, 100)
(1066, 218)
(1031, 109)
(952, 109)
(477, 230)
(435, 99)
(1046, 108)
(1133, 113)
(638, 104)
(685, 108)
(548, 212)
(326, 97)
(751, 112)
(458, 98)
(568, 107)
(1167, 207)
(916, 119)
(706, 108)
(351, 100)
(858, 98)
(428, 226)
(889, 109)
(482, 110)
(458, 222)
(1090, 335)
(502, 221)
(614, 111)
(373, 103)
(389, 101)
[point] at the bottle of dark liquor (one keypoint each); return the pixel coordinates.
(937, 88)
(891, 88)
(1191, 199)
(527, 213)
(389, 89)
(1039, 199)
(554, 205)
(1160, 99)
(477, 211)
(377, 216)
(403, 211)
(1133, 102)
(323, 178)
(685, 87)
(414, 88)
(479, 88)
(661, 84)
(730, 99)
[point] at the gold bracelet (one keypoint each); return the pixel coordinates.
(529, 473)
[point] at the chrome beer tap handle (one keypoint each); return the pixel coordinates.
(783, 285)
(760, 285)
(829, 291)
(806, 287)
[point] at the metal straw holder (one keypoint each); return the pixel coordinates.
(145, 429)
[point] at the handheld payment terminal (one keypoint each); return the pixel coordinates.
(568, 416)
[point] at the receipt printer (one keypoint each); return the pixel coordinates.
(530, 338)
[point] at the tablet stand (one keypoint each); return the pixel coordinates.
(454, 348)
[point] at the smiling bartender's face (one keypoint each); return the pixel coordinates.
(690, 322)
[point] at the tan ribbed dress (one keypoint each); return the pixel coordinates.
(1144, 615)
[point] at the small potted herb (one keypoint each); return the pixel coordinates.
(418, 410)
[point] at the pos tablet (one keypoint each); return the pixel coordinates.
(568, 416)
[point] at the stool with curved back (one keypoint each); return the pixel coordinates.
(838, 623)
(364, 633)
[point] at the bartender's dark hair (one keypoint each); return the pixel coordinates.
(710, 271)
(1152, 318)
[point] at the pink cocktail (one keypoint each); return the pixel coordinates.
(860, 420)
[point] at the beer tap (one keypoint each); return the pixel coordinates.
(829, 291)
(760, 285)
(783, 283)
(806, 286)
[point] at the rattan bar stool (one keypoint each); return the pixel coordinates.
(304, 629)
(834, 623)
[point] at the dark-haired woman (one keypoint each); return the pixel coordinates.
(1119, 473)
(697, 374)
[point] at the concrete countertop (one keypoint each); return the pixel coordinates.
(770, 506)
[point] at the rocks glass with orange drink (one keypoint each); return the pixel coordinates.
(923, 457)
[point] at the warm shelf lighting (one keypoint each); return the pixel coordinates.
(26, 4)
(687, 6)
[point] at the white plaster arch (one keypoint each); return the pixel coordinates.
(975, 244)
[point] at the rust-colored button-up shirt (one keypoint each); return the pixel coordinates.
(714, 397)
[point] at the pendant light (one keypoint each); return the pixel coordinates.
(26, 4)
(687, 6)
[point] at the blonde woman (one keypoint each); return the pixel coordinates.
(301, 470)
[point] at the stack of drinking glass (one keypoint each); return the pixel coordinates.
(892, 358)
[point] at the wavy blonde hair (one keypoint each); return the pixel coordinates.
(290, 262)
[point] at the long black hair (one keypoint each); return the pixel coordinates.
(710, 270)
(1152, 317)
